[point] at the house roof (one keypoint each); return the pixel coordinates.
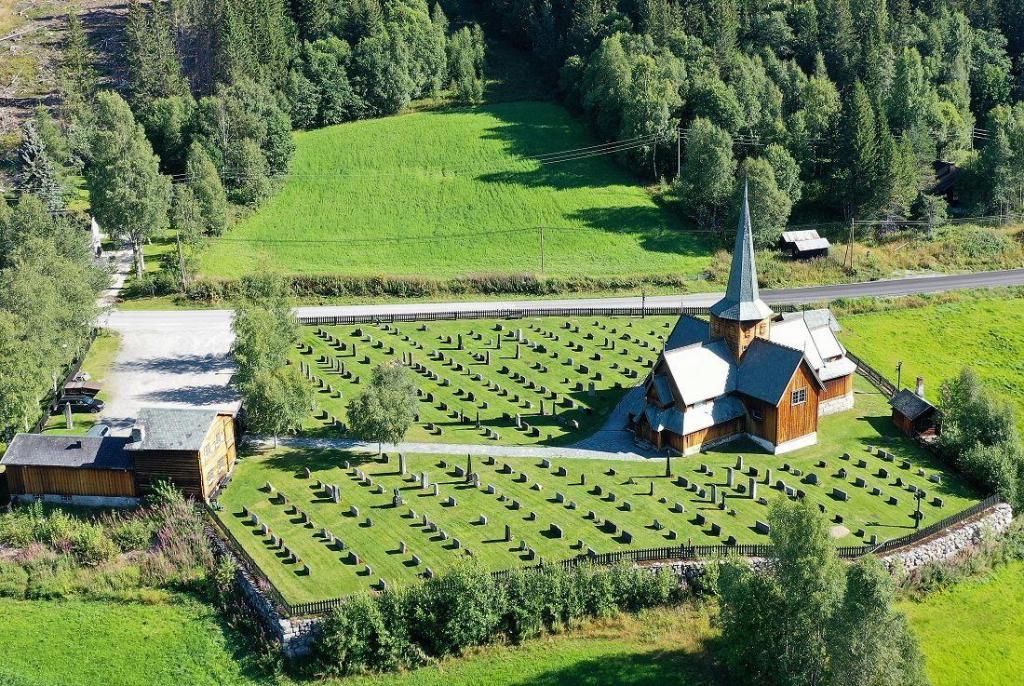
(705, 415)
(812, 244)
(742, 301)
(812, 333)
(910, 405)
(701, 372)
(172, 428)
(794, 236)
(663, 389)
(84, 452)
(766, 370)
(688, 330)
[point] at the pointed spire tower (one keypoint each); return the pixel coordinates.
(741, 316)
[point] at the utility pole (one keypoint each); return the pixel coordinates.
(542, 250)
(899, 375)
(848, 258)
(643, 303)
(181, 265)
(679, 151)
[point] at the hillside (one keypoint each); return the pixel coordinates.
(457, 192)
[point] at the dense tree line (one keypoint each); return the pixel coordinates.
(858, 96)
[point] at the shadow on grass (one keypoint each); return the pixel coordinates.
(626, 669)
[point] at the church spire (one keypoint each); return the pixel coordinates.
(742, 302)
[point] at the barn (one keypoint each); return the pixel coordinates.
(76, 470)
(192, 448)
(804, 244)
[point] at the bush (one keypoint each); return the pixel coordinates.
(467, 607)
(131, 534)
(455, 611)
(13, 580)
(91, 545)
(151, 285)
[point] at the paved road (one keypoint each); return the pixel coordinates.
(181, 357)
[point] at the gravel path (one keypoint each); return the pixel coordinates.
(355, 446)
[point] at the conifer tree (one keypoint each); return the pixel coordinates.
(37, 172)
(858, 155)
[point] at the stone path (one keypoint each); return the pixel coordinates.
(613, 436)
(351, 445)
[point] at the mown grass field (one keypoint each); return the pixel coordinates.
(580, 510)
(936, 341)
(81, 643)
(973, 633)
(545, 378)
(457, 192)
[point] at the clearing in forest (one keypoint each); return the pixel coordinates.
(458, 192)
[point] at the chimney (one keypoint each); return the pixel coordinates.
(138, 433)
(920, 387)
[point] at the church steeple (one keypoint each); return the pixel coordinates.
(741, 315)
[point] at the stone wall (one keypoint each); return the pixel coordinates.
(296, 636)
(836, 405)
(945, 545)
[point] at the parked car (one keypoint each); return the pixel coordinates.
(78, 403)
(82, 376)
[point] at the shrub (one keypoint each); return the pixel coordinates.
(13, 580)
(524, 605)
(455, 611)
(357, 637)
(91, 544)
(131, 534)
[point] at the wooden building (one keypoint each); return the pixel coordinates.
(804, 244)
(912, 414)
(193, 449)
(746, 372)
(78, 470)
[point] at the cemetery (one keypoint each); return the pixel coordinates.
(549, 380)
(323, 524)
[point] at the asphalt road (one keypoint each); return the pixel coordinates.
(182, 357)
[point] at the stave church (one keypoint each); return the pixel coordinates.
(745, 372)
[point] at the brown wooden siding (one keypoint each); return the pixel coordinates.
(34, 480)
(739, 335)
(798, 420)
(699, 438)
(837, 388)
(765, 427)
(195, 474)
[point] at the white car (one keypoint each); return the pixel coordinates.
(82, 376)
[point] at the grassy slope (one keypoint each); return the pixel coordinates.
(97, 363)
(334, 573)
(937, 340)
(76, 643)
(441, 175)
(974, 633)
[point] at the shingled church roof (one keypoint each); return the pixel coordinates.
(742, 301)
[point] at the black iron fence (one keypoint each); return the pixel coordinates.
(513, 313)
(661, 554)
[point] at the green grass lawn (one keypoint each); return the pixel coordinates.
(97, 364)
(540, 377)
(971, 636)
(80, 643)
(465, 191)
(936, 341)
(335, 572)
(973, 633)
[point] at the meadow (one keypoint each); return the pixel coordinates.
(69, 643)
(936, 341)
(560, 377)
(560, 508)
(457, 192)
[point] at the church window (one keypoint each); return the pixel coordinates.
(799, 396)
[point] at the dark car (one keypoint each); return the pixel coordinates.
(78, 403)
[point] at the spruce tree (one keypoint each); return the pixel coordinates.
(37, 172)
(858, 155)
